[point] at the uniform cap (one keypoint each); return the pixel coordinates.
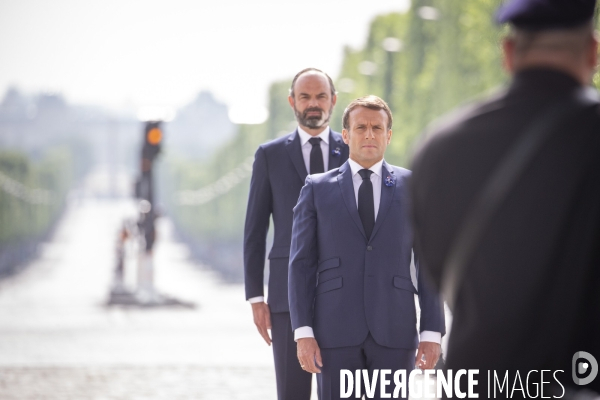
(546, 14)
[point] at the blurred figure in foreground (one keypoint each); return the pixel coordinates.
(280, 168)
(506, 202)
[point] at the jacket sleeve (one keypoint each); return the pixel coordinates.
(303, 259)
(256, 226)
(430, 302)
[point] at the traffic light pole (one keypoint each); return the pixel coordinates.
(146, 292)
(145, 230)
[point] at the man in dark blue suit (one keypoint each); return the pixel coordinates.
(350, 291)
(280, 168)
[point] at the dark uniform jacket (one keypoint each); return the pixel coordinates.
(531, 295)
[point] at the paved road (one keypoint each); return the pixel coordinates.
(58, 341)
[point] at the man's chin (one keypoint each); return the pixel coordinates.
(318, 125)
(369, 159)
(314, 123)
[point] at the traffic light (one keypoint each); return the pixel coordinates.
(153, 136)
(152, 139)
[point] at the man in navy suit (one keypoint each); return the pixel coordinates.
(280, 168)
(350, 291)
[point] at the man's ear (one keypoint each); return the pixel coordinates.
(334, 100)
(346, 136)
(291, 101)
(389, 136)
(508, 48)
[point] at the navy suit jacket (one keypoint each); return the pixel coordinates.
(277, 177)
(345, 286)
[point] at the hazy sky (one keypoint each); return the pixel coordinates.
(126, 53)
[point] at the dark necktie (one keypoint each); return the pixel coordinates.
(366, 205)
(316, 156)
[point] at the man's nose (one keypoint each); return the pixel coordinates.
(313, 102)
(370, 134)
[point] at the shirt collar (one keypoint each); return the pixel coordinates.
(355, 167)
(305, 137)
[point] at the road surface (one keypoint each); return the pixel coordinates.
(59, 341)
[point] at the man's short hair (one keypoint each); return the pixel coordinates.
(372, 102)
(304, 71)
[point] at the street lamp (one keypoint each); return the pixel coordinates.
(368, 68)
(429, 13)
(346, 85)
(391, 45)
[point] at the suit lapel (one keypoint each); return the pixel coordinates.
(335, 150)
(294, 149)
(347, 188)
(387, 195)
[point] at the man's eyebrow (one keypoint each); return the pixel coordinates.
(308, 94)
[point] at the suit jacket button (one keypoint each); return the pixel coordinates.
(369, 248)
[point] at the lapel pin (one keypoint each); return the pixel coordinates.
(389, 181)
(336, 152)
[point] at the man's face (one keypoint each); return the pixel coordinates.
(312, 101)
(367, 136)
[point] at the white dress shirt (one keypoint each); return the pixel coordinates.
(306, 149)
(376, 179)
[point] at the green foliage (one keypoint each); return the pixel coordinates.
(21, 220)
(442, 63)
(218, 220)
(281, 116)
(221, 220)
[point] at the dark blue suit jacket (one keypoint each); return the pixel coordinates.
(277, 177)
(344, 286)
